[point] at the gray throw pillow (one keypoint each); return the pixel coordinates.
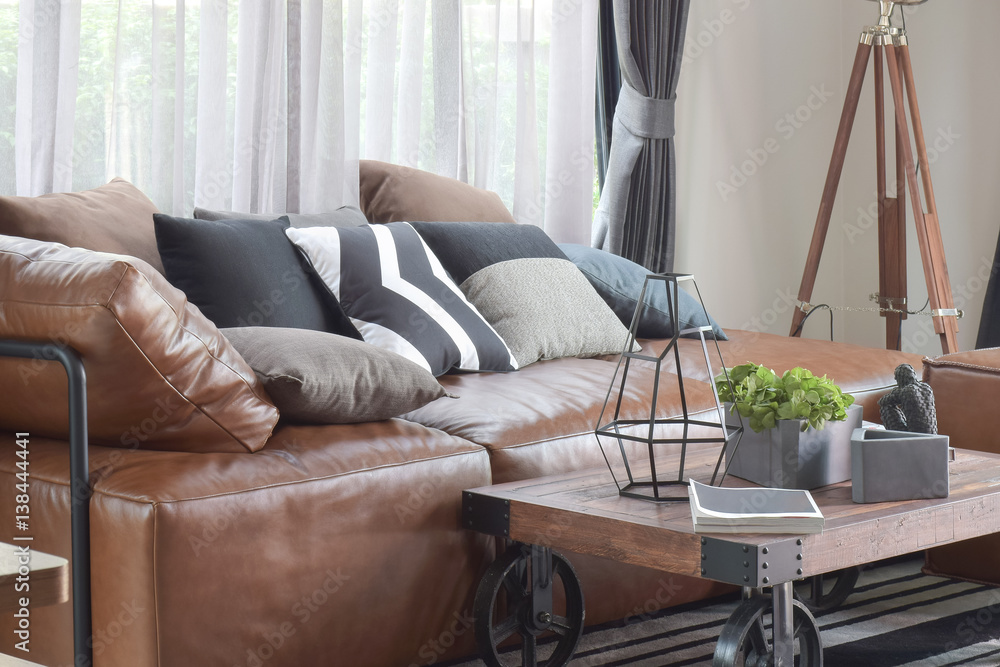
(315, 377)
(545, 309)
(524, 286)
(345, 216)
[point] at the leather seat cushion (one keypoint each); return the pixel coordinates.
(865, 372)
(549, 400)
(540, 420)
(322, 536)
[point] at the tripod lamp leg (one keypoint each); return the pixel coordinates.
(928, 229)
(832, 182)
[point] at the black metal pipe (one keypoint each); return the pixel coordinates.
(79, 470)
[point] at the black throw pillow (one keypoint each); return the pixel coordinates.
(466, 247)
(246, 273)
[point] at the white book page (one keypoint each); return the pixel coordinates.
(752, 503)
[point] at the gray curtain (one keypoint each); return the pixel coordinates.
(609, 84)
(637, 213)
(989, 325)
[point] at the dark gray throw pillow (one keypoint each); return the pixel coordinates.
(345, 216)
(246, 273)
(619, 282)
(320, 378)
(467, 247)
(526, 288)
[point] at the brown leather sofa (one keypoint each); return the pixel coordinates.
(342, 544)
(318, 545)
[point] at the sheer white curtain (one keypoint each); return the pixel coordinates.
(267, 106)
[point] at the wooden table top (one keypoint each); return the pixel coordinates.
(12, 661)
(49, 578)
(583, 512)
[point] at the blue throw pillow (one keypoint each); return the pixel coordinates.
(619, 282)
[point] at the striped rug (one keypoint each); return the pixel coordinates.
(896, 617)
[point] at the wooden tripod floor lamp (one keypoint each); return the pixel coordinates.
(889, 43)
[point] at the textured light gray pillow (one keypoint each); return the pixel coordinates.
(315, 377)
(544, 308)
(345, 216)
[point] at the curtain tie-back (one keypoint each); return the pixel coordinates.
(646, 117)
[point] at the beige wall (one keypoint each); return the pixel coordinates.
(758, 106)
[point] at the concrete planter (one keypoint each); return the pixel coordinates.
(786, 457)
(895, 465)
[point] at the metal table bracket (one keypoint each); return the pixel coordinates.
(751, 565)
(486, 514)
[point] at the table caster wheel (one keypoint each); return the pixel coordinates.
(745, 640)
(814, 595)
(507, 604)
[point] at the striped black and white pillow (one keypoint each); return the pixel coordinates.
(397, 294)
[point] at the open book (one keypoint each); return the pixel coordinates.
(753, 510)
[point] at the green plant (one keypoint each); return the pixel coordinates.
(762, 396)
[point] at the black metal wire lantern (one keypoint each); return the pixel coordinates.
(637, 450)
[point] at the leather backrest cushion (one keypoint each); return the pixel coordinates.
(115, 217)
(391, 193)
(159, 374)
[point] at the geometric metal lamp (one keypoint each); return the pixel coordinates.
(646, 452)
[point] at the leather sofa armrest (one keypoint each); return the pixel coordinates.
(965, 386)
(964, 383)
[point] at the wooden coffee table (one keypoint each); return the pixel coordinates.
(49, 581)
(583, 513)
(49, 578)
